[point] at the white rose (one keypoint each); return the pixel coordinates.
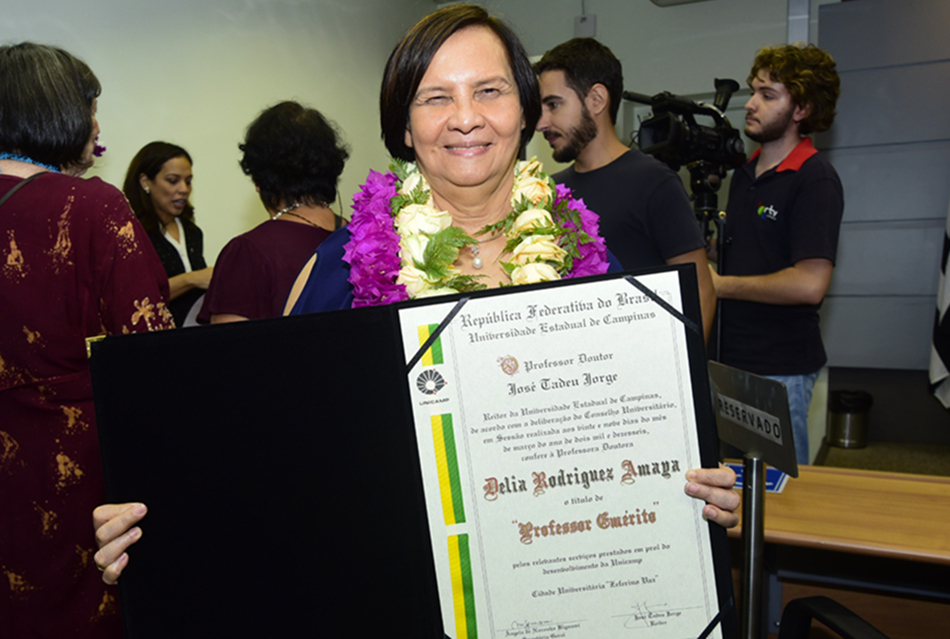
(531, 167)
(412, 181)
(412, 249)
(421, 218)
(414, 280)
(434, 292)
(531, 219)
(534, 272)
(532, 188)
(537, 247)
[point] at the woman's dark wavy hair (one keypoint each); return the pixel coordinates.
(293, 154)
(149, 160)
(810, 76)
(46, 97)
(586, 62)
(411, 58)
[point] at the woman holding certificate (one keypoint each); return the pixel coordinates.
(458, 212)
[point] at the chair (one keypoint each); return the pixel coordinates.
(799, 613)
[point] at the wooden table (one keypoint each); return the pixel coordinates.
(890, 515)
(879, 543)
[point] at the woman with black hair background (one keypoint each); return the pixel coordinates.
(295, 158)
(157, 185)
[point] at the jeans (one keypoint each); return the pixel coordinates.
(799, 399)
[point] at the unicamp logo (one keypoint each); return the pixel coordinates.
(430, 382)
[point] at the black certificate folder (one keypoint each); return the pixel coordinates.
(279, 467)
(323, 475)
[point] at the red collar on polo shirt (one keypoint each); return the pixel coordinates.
(794, 160)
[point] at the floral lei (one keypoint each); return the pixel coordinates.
(402, 248)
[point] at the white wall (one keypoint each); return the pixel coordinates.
(196, 72)
(680, 49)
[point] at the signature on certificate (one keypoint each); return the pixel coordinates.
(532, 628)
(652, 615)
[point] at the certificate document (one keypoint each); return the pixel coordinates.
(555, 427)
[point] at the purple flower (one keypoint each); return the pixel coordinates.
(373, 249)
(97, 149)
(593, 254)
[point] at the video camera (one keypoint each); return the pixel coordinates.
(672, 135)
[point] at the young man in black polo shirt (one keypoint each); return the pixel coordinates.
(781, 231)
(645, 214)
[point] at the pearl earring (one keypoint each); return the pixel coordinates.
(147, 192)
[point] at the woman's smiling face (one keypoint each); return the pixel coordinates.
(465, 121)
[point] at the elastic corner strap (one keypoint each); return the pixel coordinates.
(435, 334)
(690, 324)
(715, 620)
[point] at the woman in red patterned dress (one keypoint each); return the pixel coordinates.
(74, 263)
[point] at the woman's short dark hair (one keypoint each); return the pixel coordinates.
(149, 161)
(293, 154)
(411, 58)
(46, 98)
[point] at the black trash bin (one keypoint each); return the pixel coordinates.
(848, 418)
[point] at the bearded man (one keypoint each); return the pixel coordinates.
(645, 214)
(781, 231)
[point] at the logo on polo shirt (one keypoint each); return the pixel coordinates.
(767, 212)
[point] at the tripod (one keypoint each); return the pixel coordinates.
(705, 182)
